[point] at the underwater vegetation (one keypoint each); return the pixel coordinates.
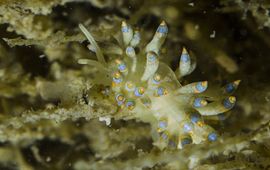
(150, 90)
(125, 90)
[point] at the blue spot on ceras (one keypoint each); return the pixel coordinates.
(186, 141)
(130, 104)
(198, 102)
(117, 80)
(212, 136)
(120, 99)
(164, 135)
(139, 91)
(161, 91)
(156, 81)
(227, 103)
(201, 87)
(122, 67)
(125, 29)
(163, 29)
(188, 127)
(230, 88)
(130, 50)
(152, 58)
(195, 118)
(185, 57)
(162, 125)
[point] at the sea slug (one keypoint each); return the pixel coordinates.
(148, 89)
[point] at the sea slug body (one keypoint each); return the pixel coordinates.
(144, 86)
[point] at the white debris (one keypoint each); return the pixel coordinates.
(42, 56)
(48, 159)
(107, 120)
(213, 35)
(191, 4)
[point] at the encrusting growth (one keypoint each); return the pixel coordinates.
(150, 90)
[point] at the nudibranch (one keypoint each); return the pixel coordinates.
(148, 89)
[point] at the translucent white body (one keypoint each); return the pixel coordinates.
(151, 92)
